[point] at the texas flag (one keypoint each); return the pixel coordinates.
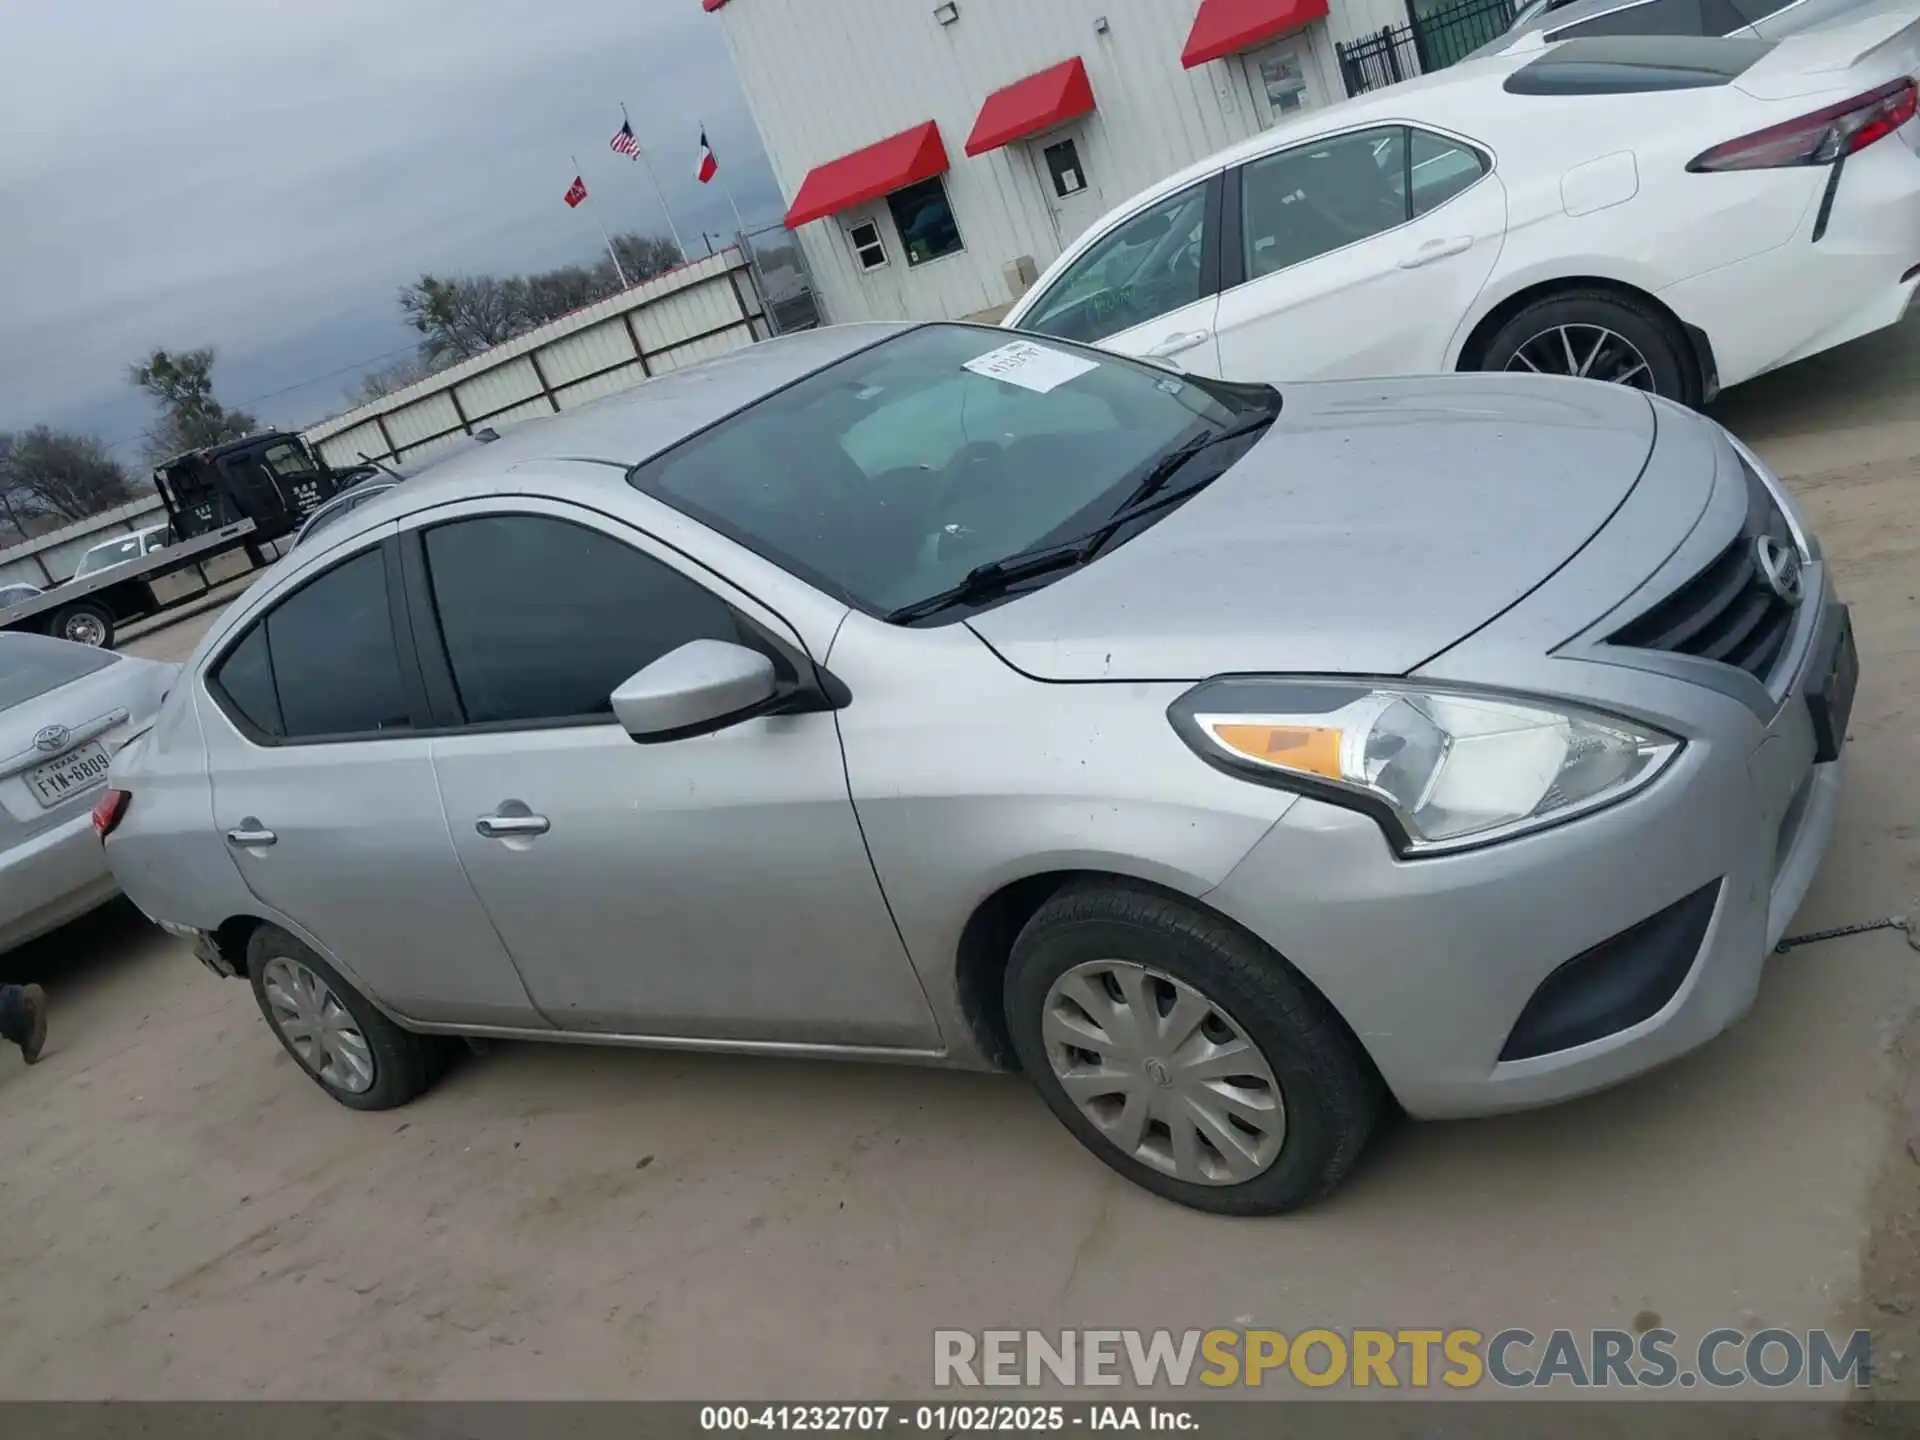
(707, 167)
(576, 192)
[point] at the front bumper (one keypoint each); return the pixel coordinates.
(1433, 961)
(50, 879)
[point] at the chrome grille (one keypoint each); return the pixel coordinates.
(1727, 612)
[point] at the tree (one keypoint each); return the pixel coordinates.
(190, 417)
(463, 316)
(51, 472)
(467, 314)
(397, 376)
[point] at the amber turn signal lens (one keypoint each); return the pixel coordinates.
(1309, 749)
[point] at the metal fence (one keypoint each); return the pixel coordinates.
(781, 275)
(1432, 39)
(693, 313)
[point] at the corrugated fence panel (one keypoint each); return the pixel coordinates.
(695, 351)
(578, 356)
(505, 385)
(625, 378)
(348, 446)
(687, 314)
(422, 420)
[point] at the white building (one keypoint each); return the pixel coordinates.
(927, 148)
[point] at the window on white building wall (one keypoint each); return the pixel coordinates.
(925, 221)
(869, 250)
(1283, 76)
(1064, 169)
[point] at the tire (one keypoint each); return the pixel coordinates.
(85, 622)
(399, 1064)
(1529, 341)
(1328, 1093)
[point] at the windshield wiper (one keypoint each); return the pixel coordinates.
(983, 582)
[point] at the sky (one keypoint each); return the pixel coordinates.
(262, 176)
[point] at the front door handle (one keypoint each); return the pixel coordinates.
(506, 827)
(1174, 344)
(1436, 250)
(250, 832)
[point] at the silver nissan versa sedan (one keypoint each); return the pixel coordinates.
(1227, 759)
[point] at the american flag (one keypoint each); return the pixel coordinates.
(623, 142)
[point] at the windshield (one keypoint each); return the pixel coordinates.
(892, 474)
(105, 557)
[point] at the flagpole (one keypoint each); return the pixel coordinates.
(739, 225)
(612, 254)
(658, 194)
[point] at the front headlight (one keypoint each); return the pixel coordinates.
(1441, 768)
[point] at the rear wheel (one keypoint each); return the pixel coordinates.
(346, 1046)
(1597, 335)
(1184, 1053)
(85, 622)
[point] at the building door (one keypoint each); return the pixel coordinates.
(1285, 79)
(1060, 157)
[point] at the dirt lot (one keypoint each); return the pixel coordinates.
(183, 1214)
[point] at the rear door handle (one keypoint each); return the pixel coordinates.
(505, 827)
(251, 832)
(1436, 250)
(1174, 344)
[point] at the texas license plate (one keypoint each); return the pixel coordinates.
(1830, 698)
(72, 774)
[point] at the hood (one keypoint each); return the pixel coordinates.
(1377, 523)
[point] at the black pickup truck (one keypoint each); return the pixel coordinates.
(239, 496)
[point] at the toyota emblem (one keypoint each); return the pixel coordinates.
(1779, 567)
(53, 739)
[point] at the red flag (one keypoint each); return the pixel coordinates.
(707, 167)
(576, 192)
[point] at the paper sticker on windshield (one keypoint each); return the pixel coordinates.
(1030, 366)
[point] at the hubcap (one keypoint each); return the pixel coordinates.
(1592, 352)
(1165, 1074)
(320, 1029)
(86, 629)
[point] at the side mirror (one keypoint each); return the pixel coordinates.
(702, 686)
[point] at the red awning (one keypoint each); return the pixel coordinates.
(884, 166)
(1224, 27)
(1053, 96)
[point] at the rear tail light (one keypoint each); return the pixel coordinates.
(1820, 138)
(108, 811)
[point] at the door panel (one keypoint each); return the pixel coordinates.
(1071, 190)
(713, 887)
(327, 804)
(1386, 303)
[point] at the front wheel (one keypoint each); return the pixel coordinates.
(86, 622)
(1184, 1053)
(1597, 335)
(346, 1046)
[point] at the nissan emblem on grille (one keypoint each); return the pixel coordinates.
(53, 739)
(1779, 567)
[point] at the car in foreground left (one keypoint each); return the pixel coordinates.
(65, 712)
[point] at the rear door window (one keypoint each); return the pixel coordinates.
(1322, 196)
(322, 663)
(1440, 169)
(1654, 17)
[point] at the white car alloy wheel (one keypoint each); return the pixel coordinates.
(317, 1027)
(1165, 1074)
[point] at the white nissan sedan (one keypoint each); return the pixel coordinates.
(1673, 213)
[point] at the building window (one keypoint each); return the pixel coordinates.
(1284, 79)
(1063, 168)
(925, 221)
(869, 252)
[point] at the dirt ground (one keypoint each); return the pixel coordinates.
(183, 1215)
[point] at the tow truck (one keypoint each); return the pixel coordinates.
(224, 505)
